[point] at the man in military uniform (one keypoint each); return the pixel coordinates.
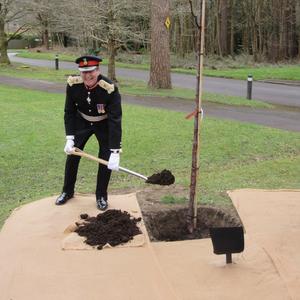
(93, 106)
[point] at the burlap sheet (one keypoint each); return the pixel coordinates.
(33, 265)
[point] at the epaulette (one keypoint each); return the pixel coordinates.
(107, 86)
(74, 80)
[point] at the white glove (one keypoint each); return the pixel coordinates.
(69, 147)
(114, 161)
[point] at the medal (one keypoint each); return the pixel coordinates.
(88, 99)
(100, 108)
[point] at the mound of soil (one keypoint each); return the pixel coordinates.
(165, 177)
(112, 227)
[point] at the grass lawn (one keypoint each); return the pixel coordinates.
(46, 55)
(129, 87)
(260, 72)
(233, 155)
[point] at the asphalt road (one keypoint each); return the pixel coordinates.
(268, 92)
(282, 118)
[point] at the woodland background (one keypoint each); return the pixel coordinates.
(269, 30)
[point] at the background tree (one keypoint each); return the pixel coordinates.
(110, 25)
(42, 13)
(160, 76)
(10, 11)
(268, 30)
(49, 20)
(182, 32)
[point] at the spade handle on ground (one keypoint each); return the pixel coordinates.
(81, 153)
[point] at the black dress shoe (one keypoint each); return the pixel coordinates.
(102, 203)
(63, 198)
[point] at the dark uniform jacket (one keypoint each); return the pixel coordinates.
(104, 99)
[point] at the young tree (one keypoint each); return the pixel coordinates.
(160, 75)
(195, 169)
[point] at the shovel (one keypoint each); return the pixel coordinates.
(79, 152)
(165, 177)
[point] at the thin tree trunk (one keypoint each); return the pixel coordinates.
(260, 32)
(292, 34)
(281, 35)
(254, 40)
(175, 36)
(298, 25)
(112, 51)
(179, 35)
(218, 26)
(65, 40)
(46, 38)
(185, 44)
(223, 23)
(111, 46)
(232, 28)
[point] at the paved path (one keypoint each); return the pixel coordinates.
(272, 93)
(276, 118)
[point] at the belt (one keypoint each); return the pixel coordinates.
(93, 118)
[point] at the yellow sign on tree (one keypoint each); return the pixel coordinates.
(168, 22)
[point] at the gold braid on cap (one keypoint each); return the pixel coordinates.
(107, 86)
(74, 80)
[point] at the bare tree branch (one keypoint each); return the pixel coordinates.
(193, 14)
(24, 28)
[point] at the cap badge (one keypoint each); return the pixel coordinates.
(85, 61)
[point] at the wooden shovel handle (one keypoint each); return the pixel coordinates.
(79, 152)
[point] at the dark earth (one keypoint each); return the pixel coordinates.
(168, 222)
(112, 227)
(165, 177)
(171, 225)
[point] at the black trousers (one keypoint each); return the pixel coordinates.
(72, 163)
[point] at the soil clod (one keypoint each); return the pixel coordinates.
(84, 216)
(165, 177)
(112, 227)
